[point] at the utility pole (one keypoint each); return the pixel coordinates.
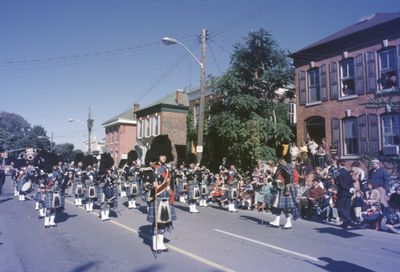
(90, 126)
(199, 148)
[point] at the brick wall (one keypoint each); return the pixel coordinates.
(174, 125)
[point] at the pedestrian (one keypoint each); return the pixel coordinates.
(345, 192)
(2, 179)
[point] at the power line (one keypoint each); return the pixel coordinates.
(248, 17)
(214, 58)
(222, 48)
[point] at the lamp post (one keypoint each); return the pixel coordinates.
(170, 41)
(89, 125)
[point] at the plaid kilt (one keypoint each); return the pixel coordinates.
(101, 197)
(48, 200)
(164, 197)
(286, 203)
(194, 191)
(181, 186)
(132, 189)
(75, 186)
(87, 190)
(232, 193)
(204, 190)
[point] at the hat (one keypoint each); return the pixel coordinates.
(375, 161)
(162, 146)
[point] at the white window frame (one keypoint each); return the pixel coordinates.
(292, 112)
(313, 73)
(392, 133)
(345, 151)
(388, 69)
(350, 67)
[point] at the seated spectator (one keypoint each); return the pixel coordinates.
(371, 217)
(358, 203)
(372, 195)
(391, 220)
(331, 207)
(314, 196)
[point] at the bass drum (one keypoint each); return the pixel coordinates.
(26, 187)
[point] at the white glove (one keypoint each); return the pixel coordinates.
(352, 190)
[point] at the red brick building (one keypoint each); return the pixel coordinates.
(120, 137)
(166, 116)
(335, 75)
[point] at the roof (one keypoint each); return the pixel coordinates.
(169, 99)
(363, 24)
(124, 118)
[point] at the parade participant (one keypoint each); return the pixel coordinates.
(54, 197)
(108, 191)
(283, 198)
(2, 178)
(193, 190)
(233, 183)
(89, 178)
(131, 176)
(181, 183)
(161, 211)
(77, 184)
(40, 194)
(345, 192)
(205, 175)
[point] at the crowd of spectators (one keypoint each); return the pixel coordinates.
(329, 190)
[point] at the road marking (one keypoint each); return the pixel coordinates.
(171, 247)
(268, 245)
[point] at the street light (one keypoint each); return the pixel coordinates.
(171, 41)
(89, 124)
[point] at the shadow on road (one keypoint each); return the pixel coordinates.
(392, 251)
(63, 216)
(5, 200)
(254, 219)
(219, 207)
(143, 209)
(182, 208)
(335, 266)
(153, 267)
(338, 232)
(84, 267)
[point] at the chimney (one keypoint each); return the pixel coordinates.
(136, 107)
(180, 97)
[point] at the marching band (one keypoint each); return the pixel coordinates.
(99, 185)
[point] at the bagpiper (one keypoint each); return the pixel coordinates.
(157, 180)
(233, 183)
(90, 182)
(108, 192)
(283, 195)
(194, 189)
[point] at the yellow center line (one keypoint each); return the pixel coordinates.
(174, 248)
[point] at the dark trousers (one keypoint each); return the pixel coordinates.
(344, 206)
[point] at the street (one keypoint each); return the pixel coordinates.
(213, 240)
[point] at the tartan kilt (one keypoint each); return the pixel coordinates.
(232, 193)
(101, 197)
(48, 200)
(132, 189)
(194, 192)
(87, 191)
(19, 184)
(75, 188)
(286, 203)
(180, 187)
(204, 190)
(37, 197)
(165, 198)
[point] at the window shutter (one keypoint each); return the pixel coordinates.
(335, 126)
(371, 72)
(333, 81)
(359, 75)
(324, 91)
(362, 134)
(373, 134)
(302, 88)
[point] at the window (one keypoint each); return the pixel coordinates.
(146, 128)
(292, 112)
(155, 125)
(388, 69)
(347, 77)
(314, 94)
(350, 136)
(391, 129)
(139, 129)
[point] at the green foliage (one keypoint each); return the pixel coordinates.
(66, 151)
(251, 119)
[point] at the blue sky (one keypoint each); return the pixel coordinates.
(57, 58)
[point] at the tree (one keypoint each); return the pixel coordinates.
(66, 150)
(35, 138)
(250, 122)
(13, 128)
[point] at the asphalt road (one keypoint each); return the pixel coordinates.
(213, 240)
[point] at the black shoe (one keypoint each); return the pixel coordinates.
(345, 226)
